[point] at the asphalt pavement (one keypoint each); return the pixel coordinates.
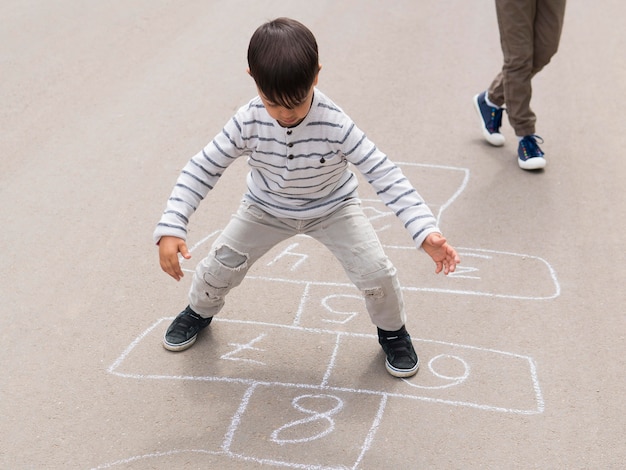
(522, 350)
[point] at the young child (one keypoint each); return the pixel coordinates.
(299, 146)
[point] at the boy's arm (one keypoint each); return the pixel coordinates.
(399, 195)
(390, 184)
(198, 177)
(443, 254)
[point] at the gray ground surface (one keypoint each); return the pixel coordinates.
(522, 352)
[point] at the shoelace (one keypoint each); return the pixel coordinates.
(496, 119)
(531, 147)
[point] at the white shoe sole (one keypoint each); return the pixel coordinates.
(402, 372)
(496, 139)
(535, 163)
(179, 347)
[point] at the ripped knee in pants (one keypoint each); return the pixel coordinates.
(375, 293)
(230, 258)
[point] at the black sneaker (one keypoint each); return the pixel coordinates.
(402, 360)
(183, 331)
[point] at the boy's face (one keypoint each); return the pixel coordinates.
(289, 117)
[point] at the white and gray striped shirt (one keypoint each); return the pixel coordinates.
(299, 173)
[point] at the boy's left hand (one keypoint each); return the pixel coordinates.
(441, 252)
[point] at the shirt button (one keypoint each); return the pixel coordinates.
(290, 157)
(289, 132)
(290, 144)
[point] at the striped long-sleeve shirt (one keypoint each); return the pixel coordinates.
(299, 173)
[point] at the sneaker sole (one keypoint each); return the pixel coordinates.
(535, 163)
(179, 347)
(402, 372)
(496, 139)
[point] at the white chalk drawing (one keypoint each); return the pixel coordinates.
(313, 415)
(301, 257)
(450, 365)
(455, 375)
(312, 397)
(232, 355)
(453, 380)
(343, 317)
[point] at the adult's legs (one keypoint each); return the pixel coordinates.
(548, 27)
(530, 31)
(513, 84)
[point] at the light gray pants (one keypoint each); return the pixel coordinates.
(530, 31)
(347, 233)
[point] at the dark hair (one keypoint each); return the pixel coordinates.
(283, 60)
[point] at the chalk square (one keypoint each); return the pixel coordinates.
(458, 375)
(482, 272)
(335, 308)
(230, 350)
(298, 427)
(325, 306)
(300, 258)
(265, 299)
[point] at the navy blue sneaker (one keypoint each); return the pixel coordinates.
(402, 360)
(183, 331)
(490, 120)
(529, 155)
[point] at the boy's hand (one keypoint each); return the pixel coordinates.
(442, 254)
(169, 247)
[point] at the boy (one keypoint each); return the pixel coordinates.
(299, 146)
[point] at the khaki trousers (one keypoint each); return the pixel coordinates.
(530, 31)
(347, 233)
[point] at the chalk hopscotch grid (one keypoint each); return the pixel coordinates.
(113, 369)
(253, 384)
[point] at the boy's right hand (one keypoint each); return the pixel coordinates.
(169, 247)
